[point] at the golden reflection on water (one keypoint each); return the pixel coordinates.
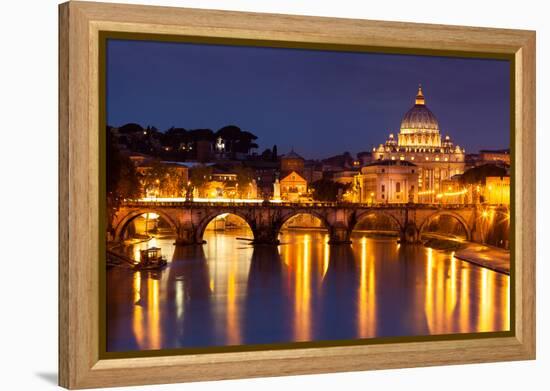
(429, 301)
(228, 278)
(233, 311)
(416, 290)
(367, 293)
(326, 254)
(464, 295)
(461, 297)
(154, 318)
(137, 323)
(298, 258)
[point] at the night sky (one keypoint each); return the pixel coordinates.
(321, 103)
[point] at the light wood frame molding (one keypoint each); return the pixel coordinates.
(80, 365)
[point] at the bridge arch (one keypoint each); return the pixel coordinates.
(454, 215)
(122, 225)
(363, 215)
(287, 217)
(203, 224)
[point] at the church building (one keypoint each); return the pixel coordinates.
(420, 142)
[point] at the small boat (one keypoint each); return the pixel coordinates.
(150, 259)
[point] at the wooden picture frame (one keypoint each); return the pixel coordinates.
(80, 24)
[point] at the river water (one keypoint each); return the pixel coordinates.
(229, 293)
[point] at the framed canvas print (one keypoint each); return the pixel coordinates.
(248, 195)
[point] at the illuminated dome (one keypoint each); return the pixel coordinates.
(419, 117)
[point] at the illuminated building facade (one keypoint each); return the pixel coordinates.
(419, 142)
(497, 190)
(495, 156)
(293, 187)
(387, 181)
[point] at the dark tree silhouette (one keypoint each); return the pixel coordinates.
(122, 177)
(327, 190)
(479, 174)
(267, 155)
(236, 140)
(199, 176)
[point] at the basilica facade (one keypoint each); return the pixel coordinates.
(420, 143)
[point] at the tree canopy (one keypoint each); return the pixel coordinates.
(327, 190)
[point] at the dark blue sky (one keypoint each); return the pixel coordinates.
(321, 103)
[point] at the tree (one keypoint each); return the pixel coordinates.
(163, 180)
(200, 175)
(153, 178)
(245, 176)
(327, 190)
(236, 140)
(267, 155)
(122, 178)
(274, 153)
(480, 173)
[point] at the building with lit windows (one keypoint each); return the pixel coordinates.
(293, 187)
(501, 156)
(497, 190)
(387, 181)
(420, 142)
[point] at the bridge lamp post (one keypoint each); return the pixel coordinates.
(189, 193)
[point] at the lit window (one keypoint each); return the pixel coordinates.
(427, 158)
(402, 158)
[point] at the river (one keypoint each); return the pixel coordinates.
(227, 292)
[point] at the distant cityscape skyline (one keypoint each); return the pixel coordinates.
(319, 103)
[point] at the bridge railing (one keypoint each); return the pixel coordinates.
(230, 204)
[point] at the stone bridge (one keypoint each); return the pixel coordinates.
(190, 219)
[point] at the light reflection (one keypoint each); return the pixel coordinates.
(233, 330)
(506, 304)
(443, 294)
(367, 300)
(302, 292)
(227, 275)
(450, 294)
(429, 291)
(137, 319)
(179, 299)
(153, 321)
(486, 301)
(326, 254)
(465, 301)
